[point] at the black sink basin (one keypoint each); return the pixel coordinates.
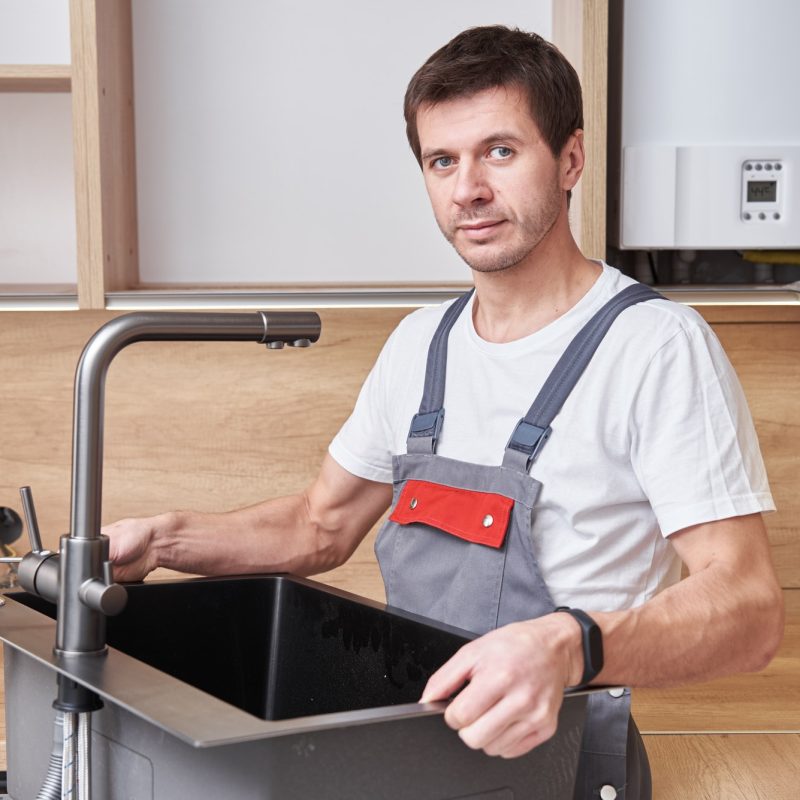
(264, 686)
(276, 647)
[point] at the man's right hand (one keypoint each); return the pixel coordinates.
(131, 549)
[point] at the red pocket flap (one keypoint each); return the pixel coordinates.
(479, 517)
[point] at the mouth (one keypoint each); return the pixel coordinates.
(481, 229)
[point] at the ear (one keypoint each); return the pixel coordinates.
(571, 160)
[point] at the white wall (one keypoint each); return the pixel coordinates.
(37, 195)
(270, 137)
(37, 202)
(34, 32)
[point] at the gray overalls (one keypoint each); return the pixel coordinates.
(457, 546)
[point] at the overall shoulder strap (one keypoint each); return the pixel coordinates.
(426, 424)
(533, 430)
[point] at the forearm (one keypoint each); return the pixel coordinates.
(305, 533)
(695, 631)
(726, 617)
(275, 536)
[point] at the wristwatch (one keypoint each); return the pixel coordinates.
(592, 641)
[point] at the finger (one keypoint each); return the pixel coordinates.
(475, 702)
(521, 735)
(526, 744)
(504, 724)
(510, 738)
(492, 725)
(450, 677)
(513, 716)
(125, 573)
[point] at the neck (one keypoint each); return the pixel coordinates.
(516, 302)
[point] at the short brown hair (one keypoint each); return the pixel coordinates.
(486, 57)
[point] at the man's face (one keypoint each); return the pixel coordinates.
(494, 183)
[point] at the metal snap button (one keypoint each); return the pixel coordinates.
(608, 792)
(488, 521)
(616, 692)
(413, 503)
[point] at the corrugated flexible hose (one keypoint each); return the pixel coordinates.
(51, 788)
(69, 773)
(84, 754)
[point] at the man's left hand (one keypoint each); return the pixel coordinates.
(514, 679)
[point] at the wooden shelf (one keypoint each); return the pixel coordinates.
(35, 77)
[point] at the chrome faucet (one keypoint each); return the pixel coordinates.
(79, 578)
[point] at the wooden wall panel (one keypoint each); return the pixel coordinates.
(580, 31)
(215, 426)
(767, 359)
(764, 701)
(188, 425)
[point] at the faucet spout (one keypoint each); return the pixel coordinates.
(86, 592)
(87, 439)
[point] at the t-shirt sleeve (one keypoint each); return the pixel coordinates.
(694, 445)
(363, 444)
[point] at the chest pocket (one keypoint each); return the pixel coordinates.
(477, 517)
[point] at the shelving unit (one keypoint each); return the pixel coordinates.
(35, 77)
(100, 79)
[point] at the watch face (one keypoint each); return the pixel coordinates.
(596, 647)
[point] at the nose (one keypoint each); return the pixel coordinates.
(471, 186)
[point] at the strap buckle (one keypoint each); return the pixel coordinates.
(427, 425)
(529, 439)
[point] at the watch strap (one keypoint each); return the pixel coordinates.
(591, 641)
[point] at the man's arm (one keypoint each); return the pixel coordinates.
(304, 534)
(726, 617)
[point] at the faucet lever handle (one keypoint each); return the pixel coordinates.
(104, 595)
(30, 519)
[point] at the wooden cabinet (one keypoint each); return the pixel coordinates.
(99, 79)
(35, 77)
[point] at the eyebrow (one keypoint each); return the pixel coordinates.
(499, 136)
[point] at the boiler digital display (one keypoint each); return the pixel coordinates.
(762, 191)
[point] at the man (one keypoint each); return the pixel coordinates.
(652, 456)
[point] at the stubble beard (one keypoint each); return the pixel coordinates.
(531, 229)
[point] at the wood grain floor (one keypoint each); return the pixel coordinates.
(725, 767)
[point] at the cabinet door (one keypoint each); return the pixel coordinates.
(271, 144)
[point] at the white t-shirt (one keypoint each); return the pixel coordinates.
(655, 437)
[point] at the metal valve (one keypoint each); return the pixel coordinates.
(104, 595)
(31, 523)
(38, 570)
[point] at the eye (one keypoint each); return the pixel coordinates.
(501, 151)
(443, 162)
